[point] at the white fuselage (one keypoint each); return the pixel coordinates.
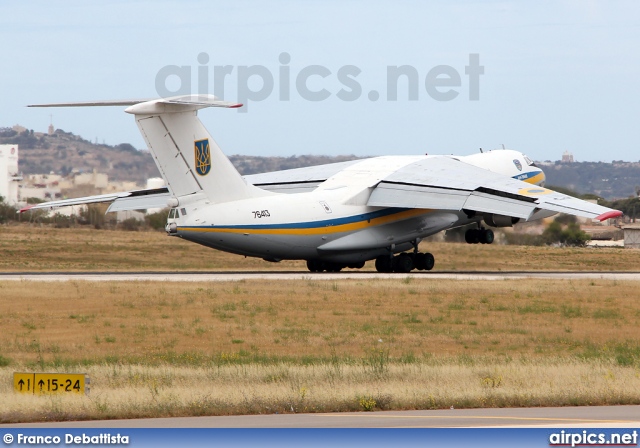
(332, 222)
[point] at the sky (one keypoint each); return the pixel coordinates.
(540, 77)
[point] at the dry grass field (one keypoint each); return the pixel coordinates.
(135, 391)
(35, 248)
(160, 349)
(315, 320)
(313, 345)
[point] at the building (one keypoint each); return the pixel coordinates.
(567, 157)
(9, 174)
(94, 179)
(44, 187)
(631, 236)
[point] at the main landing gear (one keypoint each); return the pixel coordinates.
(481, 235)
(405, 262)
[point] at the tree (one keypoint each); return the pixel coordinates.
(572, 235)
(93, 214)
(126, 147)
(157, 220)
(7, 212)
(131, 224)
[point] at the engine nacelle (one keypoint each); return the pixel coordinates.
(494, 220)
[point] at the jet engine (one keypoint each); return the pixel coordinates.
(494, 220)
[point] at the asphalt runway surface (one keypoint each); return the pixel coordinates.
(299, 275)
(565, 417)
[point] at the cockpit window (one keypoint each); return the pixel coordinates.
(529, 161)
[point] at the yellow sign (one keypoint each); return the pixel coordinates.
(23, 382)
(51, 383)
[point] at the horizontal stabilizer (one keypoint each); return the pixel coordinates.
(179, 103)
(140, 202)
(129, 102)
(129, 200)
(187, 156)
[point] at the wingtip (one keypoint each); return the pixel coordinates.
(27, 208)
(609, 215)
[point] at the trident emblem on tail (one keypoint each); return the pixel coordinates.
(203, 157)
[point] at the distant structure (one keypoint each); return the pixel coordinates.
(631, 236)
(9, 174)
(567, 157)
(51, 129)
(94, 179)
(45, 187)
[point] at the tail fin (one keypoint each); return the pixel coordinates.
(188, 158)
(184, 151)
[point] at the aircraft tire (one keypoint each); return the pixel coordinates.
(314, 265)
(472, 236)
(487, 236)
(333, 267)
(403, 264)
(358, 265)
(429, 261)
(384, 264)
(420, 261)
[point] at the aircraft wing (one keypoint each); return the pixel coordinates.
(297, 180)
(128, 200)
(286, 181)
(447, 183)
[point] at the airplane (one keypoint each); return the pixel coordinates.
(334, 216)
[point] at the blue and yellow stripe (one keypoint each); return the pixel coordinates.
(532, 177)
(337, 225)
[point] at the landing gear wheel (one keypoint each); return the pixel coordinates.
(314, 265)
(419, 261)
(384, 264)
(358, 265)
(429, 261)
(402, 264)
(486, 236)
(472, 236)
(333, 267)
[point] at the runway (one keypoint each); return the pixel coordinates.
(220, 276)
(565, 417)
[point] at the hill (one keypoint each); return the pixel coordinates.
(63, 153)
(608, 180)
